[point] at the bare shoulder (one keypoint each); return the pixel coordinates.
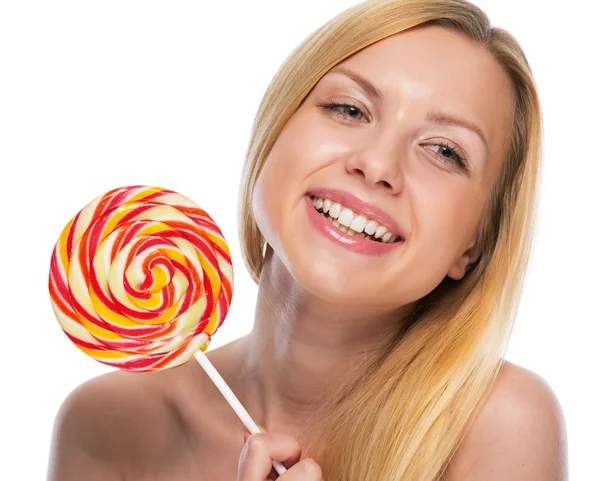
(113, 423)
(518, 434)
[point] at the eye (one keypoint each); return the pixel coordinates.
(447, 153)
(353, 108)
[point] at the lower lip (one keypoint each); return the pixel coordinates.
(353, 243)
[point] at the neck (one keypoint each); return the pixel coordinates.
(301, 348)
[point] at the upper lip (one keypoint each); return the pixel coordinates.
(361, 207)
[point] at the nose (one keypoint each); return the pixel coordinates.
(377, 166)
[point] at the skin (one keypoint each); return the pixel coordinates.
(315, 315)
(315, 318)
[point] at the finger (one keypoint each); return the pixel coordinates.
(247, 433)
(256, 459)
(273, 475)
(306, 470)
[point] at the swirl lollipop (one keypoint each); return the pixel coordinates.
(140, 279)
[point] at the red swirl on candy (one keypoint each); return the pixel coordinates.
(141, 278)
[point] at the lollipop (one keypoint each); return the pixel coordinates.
(140, 279)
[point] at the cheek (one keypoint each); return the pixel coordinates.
(276, 187)
(281, 186)
(446, 217)
(264, 203)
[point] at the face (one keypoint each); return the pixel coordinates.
(430, 178)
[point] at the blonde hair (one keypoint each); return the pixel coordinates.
(404, 417)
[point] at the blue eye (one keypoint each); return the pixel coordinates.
(332, 106)
(453, 157)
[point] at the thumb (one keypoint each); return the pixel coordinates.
(247, 433)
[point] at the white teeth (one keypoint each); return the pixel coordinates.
(379, 231)
(346, 217)
(359, 223)
(335, 210)
(350, 223)
(370, 227)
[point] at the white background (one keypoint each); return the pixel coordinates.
(97, 95)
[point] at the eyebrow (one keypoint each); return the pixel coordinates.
(441, 118)
(435, 117)
(360, 80)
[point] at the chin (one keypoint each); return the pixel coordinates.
(325, 278)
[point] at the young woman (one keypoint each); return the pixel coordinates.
(387, 214)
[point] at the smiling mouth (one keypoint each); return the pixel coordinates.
(380, 237)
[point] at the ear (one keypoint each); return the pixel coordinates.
(464, 262)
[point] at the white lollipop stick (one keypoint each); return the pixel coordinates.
(232, 400)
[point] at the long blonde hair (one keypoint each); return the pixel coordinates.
(404, 417)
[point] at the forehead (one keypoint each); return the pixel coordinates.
(432, 67)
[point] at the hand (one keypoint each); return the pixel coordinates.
(261, 449)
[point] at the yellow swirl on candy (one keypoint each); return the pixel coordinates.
(141, 278)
